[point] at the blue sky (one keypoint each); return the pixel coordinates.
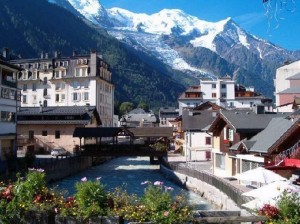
(282, 27)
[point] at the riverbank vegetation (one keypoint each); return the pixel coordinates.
(29, 196)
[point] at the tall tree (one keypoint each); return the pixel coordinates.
(126, 107)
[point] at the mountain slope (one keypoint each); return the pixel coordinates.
(194, 46)
(57, 29)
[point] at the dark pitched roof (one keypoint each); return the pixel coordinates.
(269, 136)
(61, 110)
(10, 65)
(296, 114)
(208, 105)
(57, 115)
(197, 120)
(245, 121)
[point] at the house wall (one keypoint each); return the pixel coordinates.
(287, 98)
(282, 74)
(196, 147)
(65, 141)
(295, 83)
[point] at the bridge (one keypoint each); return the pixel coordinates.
(122, 141)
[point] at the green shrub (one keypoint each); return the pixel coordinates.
(91, 198)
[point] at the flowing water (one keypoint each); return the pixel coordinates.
(129, 173)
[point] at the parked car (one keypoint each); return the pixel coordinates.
(59, 152)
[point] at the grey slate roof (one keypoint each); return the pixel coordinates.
(291, 90)
(248, 121)
(61, 110)
(138, 115)
(57, 115)
(197, 120)
(296, 114)
(266, 138)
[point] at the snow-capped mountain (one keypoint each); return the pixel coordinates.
(189, 44)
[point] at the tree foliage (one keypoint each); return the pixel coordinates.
(126, 107)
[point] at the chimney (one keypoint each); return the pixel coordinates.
(74, 53)
(55, 54)
(5, 53)
(46, 55)
(42, 55)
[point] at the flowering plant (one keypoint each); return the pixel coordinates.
(269, 211)
(91, 197)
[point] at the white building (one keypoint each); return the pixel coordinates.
(287, 86)
(223, 92)
(68, 81)
(9, 102)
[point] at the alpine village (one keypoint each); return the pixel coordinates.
(98, 126)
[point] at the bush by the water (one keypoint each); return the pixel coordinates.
(30, 195)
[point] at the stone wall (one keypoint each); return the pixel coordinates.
(210, 193)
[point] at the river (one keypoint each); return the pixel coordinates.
(129, 172)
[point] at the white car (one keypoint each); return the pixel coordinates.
(59, 152)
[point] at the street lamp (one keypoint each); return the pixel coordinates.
(123, 122)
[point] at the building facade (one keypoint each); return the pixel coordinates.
(287, 86)
(78, 80)
(9, 102)
(223, 92)
(41, 129)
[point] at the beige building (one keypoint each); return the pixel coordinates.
(41, 129)
(78, 80)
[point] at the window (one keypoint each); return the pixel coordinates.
(33, 86)
(76, 96)
(44, 133)
(213, 86)
(223, 95)
(207, 140)
(76, 85)
(228, 134)
(31, 134)
(56, 74)
(56, 97)
(63, 97)
(45, 103)
(24, 99)
(45, 81)
(84, 71)
(77, 72)
(214, 95)
(223, 86)
(45, 92)
(86, 96)
(57, 134)
(220, 161)
(63, 73)
(7, 116)
(34, 75)
(251, 104)
(24, 87)
(86, 84)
